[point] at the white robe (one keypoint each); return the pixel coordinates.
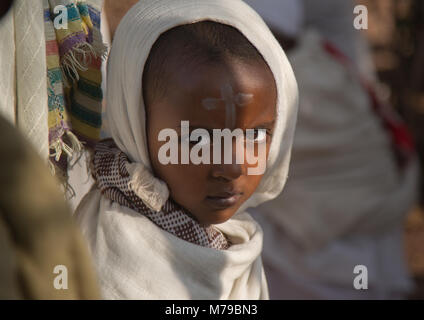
(345, 202)
(137, 260)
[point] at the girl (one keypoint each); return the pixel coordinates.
(180, 231)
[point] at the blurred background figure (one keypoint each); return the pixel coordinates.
(42, 253)
(333, 19)
(353, 170)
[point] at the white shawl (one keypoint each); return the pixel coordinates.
(23, 75)
(136, 259)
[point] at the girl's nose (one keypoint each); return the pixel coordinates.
(233, 170)
(227, 172)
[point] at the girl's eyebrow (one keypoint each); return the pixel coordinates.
(266, 125)
(198, 127)
(192, 128)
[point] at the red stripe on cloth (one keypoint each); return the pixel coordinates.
(404, 145)
(96, 63)
(52, 48)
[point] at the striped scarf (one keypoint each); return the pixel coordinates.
(74, 56)
(114, 181)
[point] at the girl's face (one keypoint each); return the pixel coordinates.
(232, 95)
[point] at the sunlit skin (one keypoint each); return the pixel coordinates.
(212, 193)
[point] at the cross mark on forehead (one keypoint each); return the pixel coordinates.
(231, 101)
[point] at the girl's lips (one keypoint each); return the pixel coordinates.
(223, 202)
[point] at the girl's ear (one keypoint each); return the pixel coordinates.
(4, 7)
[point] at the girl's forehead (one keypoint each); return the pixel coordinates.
(228, 81)
(227, 95)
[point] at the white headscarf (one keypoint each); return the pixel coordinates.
(135, 258)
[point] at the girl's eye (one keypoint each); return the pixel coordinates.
(201, 139)
(258, 136)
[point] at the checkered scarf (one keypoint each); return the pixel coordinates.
(113, 179)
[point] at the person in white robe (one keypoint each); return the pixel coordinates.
(336, 231)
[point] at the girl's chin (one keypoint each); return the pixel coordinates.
(216, 217)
